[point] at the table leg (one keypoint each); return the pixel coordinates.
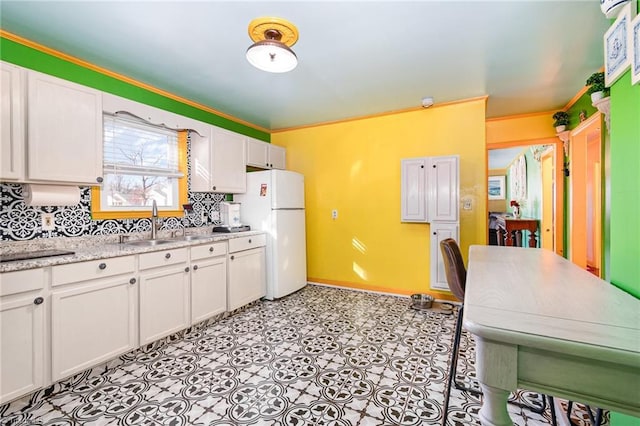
(509, 240)
(500, 237)
(532, 239)
(494, 407)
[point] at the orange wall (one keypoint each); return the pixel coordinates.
(520, 128)
(354, 167)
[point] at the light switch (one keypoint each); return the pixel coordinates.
(334, 214)
(466, 204)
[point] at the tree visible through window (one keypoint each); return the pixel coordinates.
(142, 163)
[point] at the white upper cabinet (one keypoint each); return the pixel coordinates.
(12, 124)
(443, 189)
(218, 162)
(64, 122)
(265, 155)
(413, 190)
(429, 189)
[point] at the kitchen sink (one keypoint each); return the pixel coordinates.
(148, 243)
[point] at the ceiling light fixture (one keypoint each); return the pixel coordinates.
(271, 51)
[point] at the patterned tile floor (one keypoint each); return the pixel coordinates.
(322, 356)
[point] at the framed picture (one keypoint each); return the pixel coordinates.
(496, 188)
(616, 45)
(634, 43)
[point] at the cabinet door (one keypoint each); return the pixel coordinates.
(413, 190)
(21, 346)
(277, 157)
(439, 232)
(247, 279)
(208, 288)
(443, 189)
(164, 302)
(229, 168)
(12, 124)
(257, 153)
(64, 126)
(92, 323)
(200, 156)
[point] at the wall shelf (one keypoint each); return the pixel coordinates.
(604, 106)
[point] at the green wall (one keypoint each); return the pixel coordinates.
(625, 196)
(27, 57)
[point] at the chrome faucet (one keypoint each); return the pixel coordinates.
(154, 220)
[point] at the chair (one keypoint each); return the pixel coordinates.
(456, 275)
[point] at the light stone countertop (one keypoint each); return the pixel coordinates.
(103, 247)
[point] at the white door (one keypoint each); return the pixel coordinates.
(439, 232)
(287, 190)
(277, 157)
(443, 189)
(21, 346)
(257, 153)
(229, 161)
(287, 263)
(64, 131)
(208, 288)
(12, 124)
(164, 303)
(247, 280)
(413, 190)
(92, 323)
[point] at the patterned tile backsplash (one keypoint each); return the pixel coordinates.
(19, 222)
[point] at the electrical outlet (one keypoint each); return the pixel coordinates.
(203, 216)
(48, 223)
(334, 214)
(215, 215)
(466, 204)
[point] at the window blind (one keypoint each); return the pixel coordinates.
(132, 147)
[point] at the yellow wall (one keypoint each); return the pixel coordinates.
(520, 128)
(354, 167)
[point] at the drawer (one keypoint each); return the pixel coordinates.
(21, 281)
(92, 270)
(246, 243)
(208, 250)
(163, 258)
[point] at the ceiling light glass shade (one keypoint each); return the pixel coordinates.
(272, 56)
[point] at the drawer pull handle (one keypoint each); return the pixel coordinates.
(132, 281)
(232, 257)
(167, 256)
(102, 266)
(186, 269)
(38, 301)
(99, 179)
(211, 249)
(249, 240)
(195, 267)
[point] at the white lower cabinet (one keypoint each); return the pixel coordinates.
(208, 281)
(439, 232)
(93, 313)
(164, 294)
(247, 271)
(21, 333)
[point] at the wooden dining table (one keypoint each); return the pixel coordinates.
(542, 323)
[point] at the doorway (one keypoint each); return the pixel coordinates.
(545, 186)
(585, 228)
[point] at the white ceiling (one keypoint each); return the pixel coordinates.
(355, 58)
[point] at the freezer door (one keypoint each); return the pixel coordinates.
(287, 266)
(287, 190)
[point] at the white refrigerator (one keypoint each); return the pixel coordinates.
(274, 203)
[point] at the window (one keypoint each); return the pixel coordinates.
(142, 163)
